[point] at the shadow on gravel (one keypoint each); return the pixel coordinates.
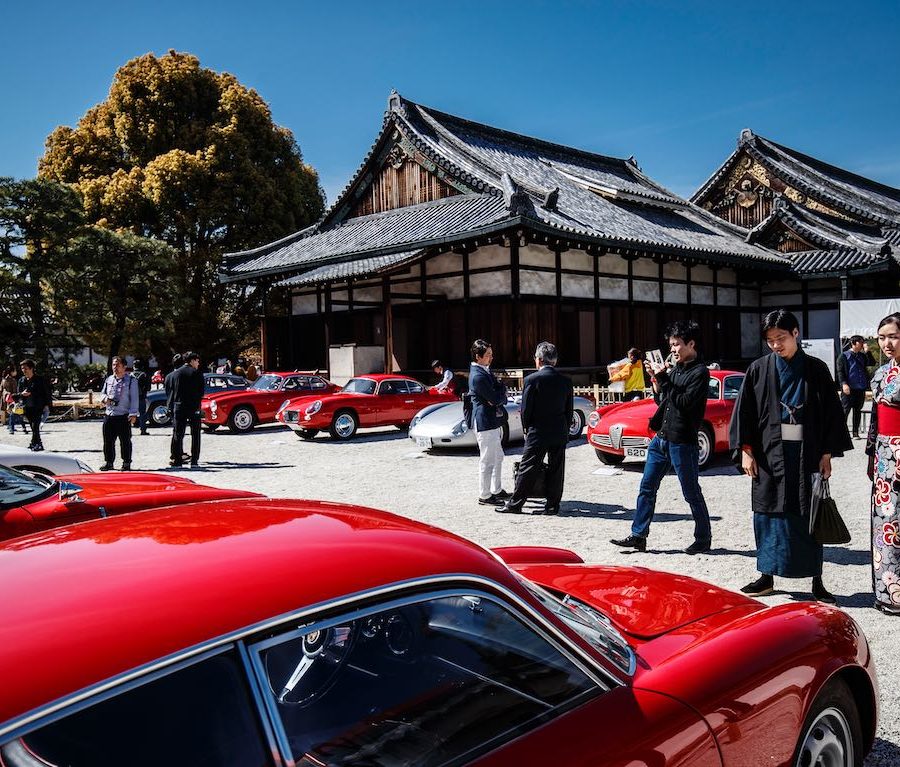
(859, 599)
(98, 450)
(215, 465)
(383, 436)
(616, 511)
(842, 556)
(883, 754)
(715, 469)
(222, 432)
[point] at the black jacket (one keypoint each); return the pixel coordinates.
(186, 389)
(488, 397)
(38, 393)
(682, 396)
(547, 404)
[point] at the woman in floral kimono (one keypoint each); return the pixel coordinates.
(883, 449)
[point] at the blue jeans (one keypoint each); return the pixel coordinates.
(661, 454)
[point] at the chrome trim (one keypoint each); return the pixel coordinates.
(262, 711)
(615, 436)
(595, 670)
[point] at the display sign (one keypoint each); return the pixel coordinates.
(823, 348)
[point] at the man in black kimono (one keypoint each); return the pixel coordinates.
(787, 425)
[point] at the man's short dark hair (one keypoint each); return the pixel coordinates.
(436, 364)
(857, 340)
(781, 319)
(190, 357)
(546, 353)
(137, 365)
(177, 360)
(27, 363)
(686, 330)
(480, 347)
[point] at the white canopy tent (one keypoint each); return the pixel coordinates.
(861, 318)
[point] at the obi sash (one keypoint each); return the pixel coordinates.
(888, 420)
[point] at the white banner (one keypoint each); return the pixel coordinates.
(861, 318)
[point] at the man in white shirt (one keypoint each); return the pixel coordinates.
(120, 395)
(446, 382)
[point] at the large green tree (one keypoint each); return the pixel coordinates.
(190, 156)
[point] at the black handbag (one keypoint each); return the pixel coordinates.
(537, 489)
(828, 526)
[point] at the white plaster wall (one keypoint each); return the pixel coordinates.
(308, 304)
(406, 287)
(702, 295)
(751, 343)
(339, 295)
(613, 264)
(577, 286)
(446, 262)
(727, 296)
(537, 283)
(613, 287)
(781, 286)
(645, 267)
(727, 277)
(536, 255)
(490, 284)
(674, 271)
(675, 293)
(828, 297)
(374, 294)
(490, 255)
(701, 273)
(644, 290)
(578, 259)
(749, 297)
(451, 287)
(784, 299)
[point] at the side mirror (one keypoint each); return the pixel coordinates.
(68, 492)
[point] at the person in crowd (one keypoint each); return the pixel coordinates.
(787, 425)
(446, 374)
(681, 393)
(488, 400)
(120, 396)
(34, 394)
(883, 449)
(853, 376)
(632, 373)
(547, 405)
(9, 386)
(252, 372)
(143, 382)
(177, 362)
(187, 387)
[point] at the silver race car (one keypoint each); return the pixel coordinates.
(442, 425)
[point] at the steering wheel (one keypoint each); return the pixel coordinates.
(323, 654)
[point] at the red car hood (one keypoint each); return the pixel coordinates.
(638, 412)
(641, 603)
(239, 395)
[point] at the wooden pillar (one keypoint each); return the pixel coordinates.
(598, 348)
(631, 334)
(388, 325)
(263, 331)
(327, 315)
(290, 361)
(804, 297)
(515, 293)
(467, 321)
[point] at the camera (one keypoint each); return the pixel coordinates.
(112, 402)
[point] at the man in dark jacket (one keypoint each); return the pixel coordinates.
(488, 414)
(854, 379)
(186, 391)
(547, 404)
(34, 394)
(681, 392)
(143, 383)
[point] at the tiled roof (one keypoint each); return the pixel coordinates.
(841, 260)
(360, 267)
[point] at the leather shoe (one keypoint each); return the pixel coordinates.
(820, 593)
(107, 467)
(632, 542)
(126, 467)
(698, 547)
(761, 587)
(509, 508)
(548, 511)
(489, 501)
(502, 495)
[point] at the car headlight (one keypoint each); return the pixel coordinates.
(83, 467)
(314, 408)
(414, 421)
(593, 419)
(460, 429)
(213, 407)
(282, 407)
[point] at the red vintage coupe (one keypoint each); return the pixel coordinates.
(279, 632)
(243, 410)
(370, 400)
(622, 430)
(30, 502)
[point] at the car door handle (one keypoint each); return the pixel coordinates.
(409, 401)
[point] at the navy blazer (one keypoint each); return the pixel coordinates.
(487, 395)
(547, 405)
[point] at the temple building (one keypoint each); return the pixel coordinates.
(452, 230)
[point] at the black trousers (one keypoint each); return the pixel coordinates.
(116, 427)
(529, 467)
(854, 401)
(33, 416)
(180, 421)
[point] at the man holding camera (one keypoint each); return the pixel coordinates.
(120, 395)
(186, 387)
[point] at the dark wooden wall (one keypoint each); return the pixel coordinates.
(410, 184)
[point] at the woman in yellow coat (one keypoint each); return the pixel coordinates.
(632, 373)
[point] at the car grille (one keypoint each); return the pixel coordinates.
(291, 416)
(635, 441)
(601, 439)
(605, 440)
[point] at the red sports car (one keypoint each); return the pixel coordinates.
(622, 430)
(279, 632)
(245, 409)
(370, 400)
(33, 502)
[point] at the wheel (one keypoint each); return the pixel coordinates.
(160, 415)
(832, 733)
(610, 459)
(211, 427)
(577, 425)
(307, 433)
(706, 444)
(344, 424)
(241, 419)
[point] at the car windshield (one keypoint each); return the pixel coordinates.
(590, 624)
(267, 383)
(360, 386)
(17, 489)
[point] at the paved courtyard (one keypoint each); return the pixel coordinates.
(383, 469)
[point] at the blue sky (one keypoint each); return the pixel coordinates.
(672, 83)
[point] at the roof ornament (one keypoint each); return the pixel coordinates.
(633, 160)
(550, 199)
(517, 201)
(781, 203)
(746, 136)
(395, 103)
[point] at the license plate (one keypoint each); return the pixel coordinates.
(423, 442)
(636, 452)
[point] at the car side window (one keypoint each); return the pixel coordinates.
(713, 388)
(393, 387)
(415, 387)
(424, 683)
(733, 386)
(316, 383)
(291, 383)
(200, 714)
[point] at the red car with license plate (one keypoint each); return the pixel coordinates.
(243, 410)
(30, 502)
(622, 430)
(370, 400)
(275, 632)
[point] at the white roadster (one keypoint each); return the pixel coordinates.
(44, 462)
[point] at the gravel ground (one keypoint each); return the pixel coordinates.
(383, 469)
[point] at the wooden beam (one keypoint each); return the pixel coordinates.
(388, 326)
